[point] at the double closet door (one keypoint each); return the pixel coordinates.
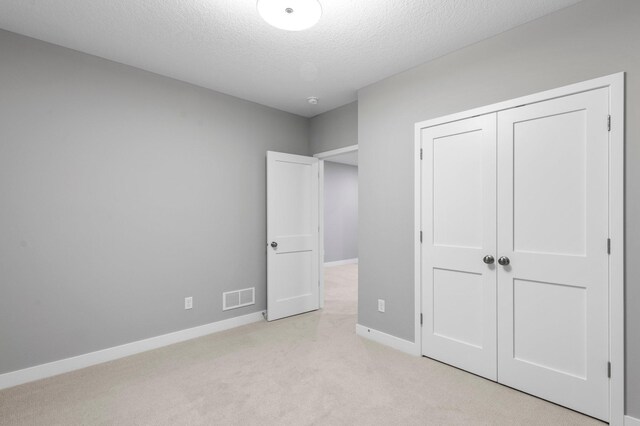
(514, 255)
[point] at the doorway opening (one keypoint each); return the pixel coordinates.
(338, 207)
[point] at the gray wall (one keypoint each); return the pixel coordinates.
(334, 129)
(340, 211)
(122, 192)
(591, 39)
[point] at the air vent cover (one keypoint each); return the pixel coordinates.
(238, 298)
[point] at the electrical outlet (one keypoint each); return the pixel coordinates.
(188, 302)
(380, 305)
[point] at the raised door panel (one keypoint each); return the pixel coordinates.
(457, 189)
(549, 183)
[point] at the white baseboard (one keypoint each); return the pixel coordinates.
(54, 368)
(341, 262)
(386, 339)
(631, 421)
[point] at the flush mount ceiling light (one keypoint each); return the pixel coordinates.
(290, 15)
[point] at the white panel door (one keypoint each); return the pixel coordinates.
(292, 234)
(459, 230)
(553, 227)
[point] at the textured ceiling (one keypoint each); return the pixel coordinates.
(225, 46)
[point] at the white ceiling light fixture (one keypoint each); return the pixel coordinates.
(312, 100)
(290, 15)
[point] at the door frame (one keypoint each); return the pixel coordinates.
(615, 83)
(321, 156)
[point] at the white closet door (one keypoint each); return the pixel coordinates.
(459, 230)
(553, 227)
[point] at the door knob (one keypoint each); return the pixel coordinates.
(488, 259)
(504, 261)
(274, 244)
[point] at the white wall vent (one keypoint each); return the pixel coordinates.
(238, 298)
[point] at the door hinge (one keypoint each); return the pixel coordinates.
(609, 369)
(421, 318)
(421, 237)
(421, 153)
(609, 123)
(608, 245)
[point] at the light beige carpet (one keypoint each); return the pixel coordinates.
(309, 369)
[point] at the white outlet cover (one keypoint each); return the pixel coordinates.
(380, 305)
(188, 302)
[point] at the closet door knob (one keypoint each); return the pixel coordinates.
(504, 261)
(274, 244)
(488, 259)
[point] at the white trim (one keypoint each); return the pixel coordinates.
(615, 83)
(321, 232)
(340, 262)
(571, 89)
(66, 365)
(417, 244)
(616, 259)
(631, 421)
(334, 152)
(388, 340)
